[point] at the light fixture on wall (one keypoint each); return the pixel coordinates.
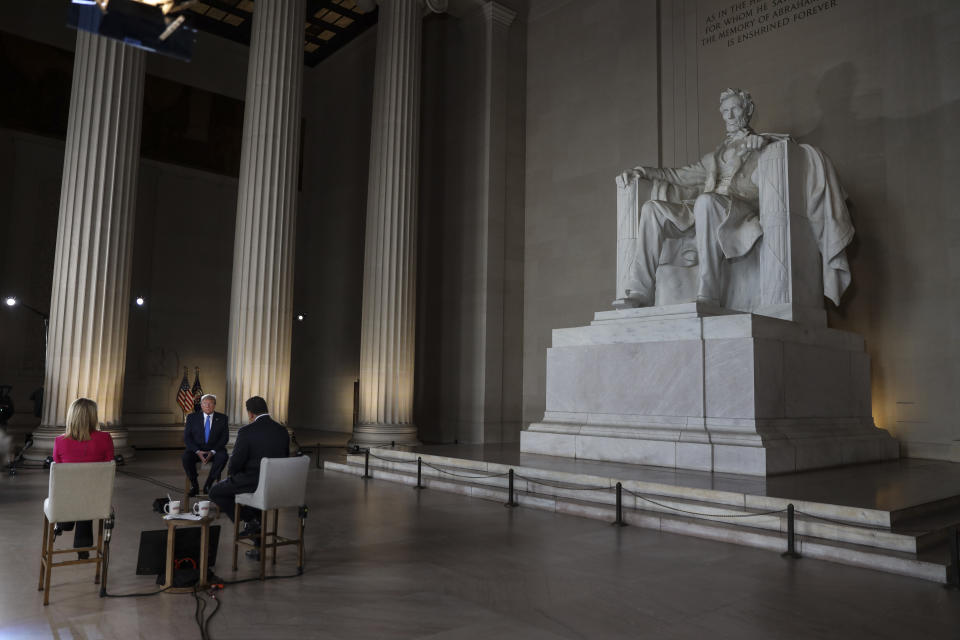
(300, 317)
(11, 301)
(140, 301)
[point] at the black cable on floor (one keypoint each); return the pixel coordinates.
(135, 595)
(257, 579)
(206, 625)
(198, 612)
(159, 483)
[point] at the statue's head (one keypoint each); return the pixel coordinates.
(736, 108)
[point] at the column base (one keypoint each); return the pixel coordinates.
(44, 436)
(378, 435)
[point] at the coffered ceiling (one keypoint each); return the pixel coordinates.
(328, 24)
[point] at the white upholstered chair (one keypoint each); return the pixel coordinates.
(283, 483)
(78, 491)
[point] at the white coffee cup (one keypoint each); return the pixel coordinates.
(172, 508)
(202, 508)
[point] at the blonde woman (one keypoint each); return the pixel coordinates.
(82, 442)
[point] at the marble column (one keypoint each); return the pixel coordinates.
(261, 299)
(491, 215)
(390, 252)
(90, 301)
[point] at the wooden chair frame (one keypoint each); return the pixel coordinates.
(47, 553)
(268, 539)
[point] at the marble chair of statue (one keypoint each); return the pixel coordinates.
(805, 231)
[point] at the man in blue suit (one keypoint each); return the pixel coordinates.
(205, 437)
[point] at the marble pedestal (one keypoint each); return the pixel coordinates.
(693, 386)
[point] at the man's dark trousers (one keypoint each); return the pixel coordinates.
(196, 439)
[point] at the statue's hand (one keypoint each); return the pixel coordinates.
(754, 142)
(630, 175)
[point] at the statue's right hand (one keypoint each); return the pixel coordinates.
(632, 174)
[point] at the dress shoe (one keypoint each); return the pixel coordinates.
(193, 491)
(57, 530)
(250, 529)
(253, 554)
(206, 489)
(83, 555)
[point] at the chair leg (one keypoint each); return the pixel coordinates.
(99, 551)
(236, 533)
(276, 530)
(46, 588)
(106, 569)
(43, 551)
(300, 549)
(265, 518)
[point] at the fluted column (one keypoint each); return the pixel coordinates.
(389, 267)
(261, 299)
(89, 304)
(491, 220)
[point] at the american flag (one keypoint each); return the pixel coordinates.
(197, 392)
(184, 397)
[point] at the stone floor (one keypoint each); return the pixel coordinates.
(384, 561)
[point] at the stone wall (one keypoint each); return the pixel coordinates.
(591, 112)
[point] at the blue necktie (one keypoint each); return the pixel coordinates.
(206, 429)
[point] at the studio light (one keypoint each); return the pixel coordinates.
(140, 301)
(300, 317)
(14, 301)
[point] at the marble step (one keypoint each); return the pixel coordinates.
(598, 505)
(931, 530)
(844, 524)
(947, 509)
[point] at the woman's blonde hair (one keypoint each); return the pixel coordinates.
(81, 419)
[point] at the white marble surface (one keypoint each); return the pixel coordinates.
(749, 394)
(625, 332)
(783, 208)
(650, 452)
(668, 312)
(261, 299)
(730, 378)
(86, 345)
(388, 317)
(652, 378)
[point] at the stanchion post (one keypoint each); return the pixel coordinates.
(419, 474)
(619, 521)
(366, 464)
(953, 573)
(791, 551)
(510, 501)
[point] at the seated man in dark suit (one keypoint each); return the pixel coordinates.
(205, 437)
(262, 438)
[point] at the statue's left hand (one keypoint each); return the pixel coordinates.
(753, 142)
